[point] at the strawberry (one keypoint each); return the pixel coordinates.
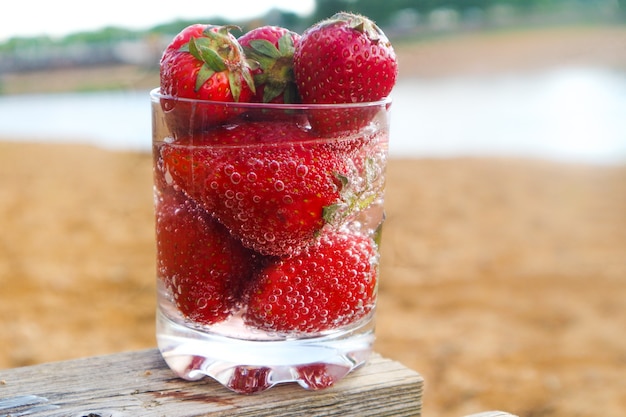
(203, 62)
(320, 375)
(203, 267)
(344, 59)
(250, 379)
(328, 285)
(272, 47)
(271, 193)
(193, 161)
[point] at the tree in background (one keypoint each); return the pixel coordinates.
(383, 11)
(379, 11)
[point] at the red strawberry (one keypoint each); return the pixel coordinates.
(321, 375)
(344, 59)
(203, 62)
(271, 193)
(250, 379)
(192, 162)
(200, 263)
(327, 286)
(272, 47)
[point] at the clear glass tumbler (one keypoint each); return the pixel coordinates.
(268, 227)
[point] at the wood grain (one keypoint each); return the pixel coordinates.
(140, 384)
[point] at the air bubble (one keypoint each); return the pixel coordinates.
(202, 303)
(279, 185)
(274, 166)
(169, 180)
(235, 178)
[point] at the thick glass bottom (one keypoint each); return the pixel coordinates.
(251, 366)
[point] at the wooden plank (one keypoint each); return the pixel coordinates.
(140, 384)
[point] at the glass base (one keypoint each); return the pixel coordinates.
(251, 366)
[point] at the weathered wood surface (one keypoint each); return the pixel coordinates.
(141, 384)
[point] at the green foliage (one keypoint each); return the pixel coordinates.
(108, 34)
(17, 43)
(381, 11)
(621, 4)
(176, 26)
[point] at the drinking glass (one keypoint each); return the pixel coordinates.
(268, 230)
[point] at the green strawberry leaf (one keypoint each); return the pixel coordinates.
(235, 85)
(254, 65)
(344, 180)
(333, 213)
(353, 201)
(221, 30)
(261, 60)
(379, 232)
(203, 51)
(330, 213)
(273, 90)
(192, 48)
(264, 47)
(285, 44)
(203, 76)
(247, 77)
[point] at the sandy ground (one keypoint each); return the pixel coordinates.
(502, 280)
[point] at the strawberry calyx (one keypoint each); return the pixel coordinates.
(354, 198)
(361, 24)
(276, 65)
(218, 52)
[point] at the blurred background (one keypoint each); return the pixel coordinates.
(504, 256)
(487, 80)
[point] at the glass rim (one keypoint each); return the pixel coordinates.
(155, 95)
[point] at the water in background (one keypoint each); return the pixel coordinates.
(572, 114)
(568, 114)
